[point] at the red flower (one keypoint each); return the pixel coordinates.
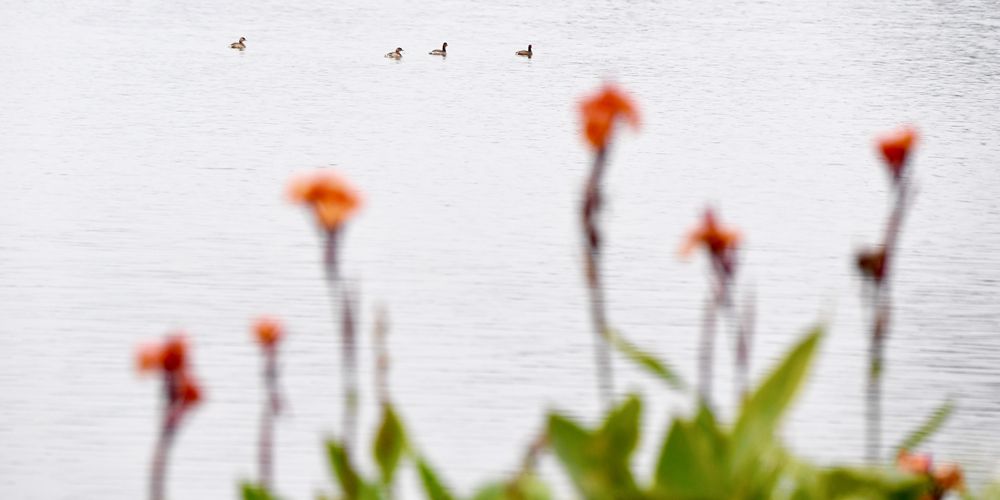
(188, 390)
(600, 112)
(715, 238)
(169, 356)
(331, 198)
(895, 147)
(268, 331)
(914, 463)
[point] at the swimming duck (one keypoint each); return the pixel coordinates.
(397, 54)
(525, 53)
(239, 45)
(443, 51)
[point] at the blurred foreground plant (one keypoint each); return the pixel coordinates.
(181, 392)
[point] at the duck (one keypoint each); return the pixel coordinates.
(397, 54)
(525, 53)
(443, 51)
(239, 45)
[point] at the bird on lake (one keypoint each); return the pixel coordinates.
(443, 51)
(239, 45)
(525, 53)
(396, 54)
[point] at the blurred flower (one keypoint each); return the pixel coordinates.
(871, 263)
(600, 112)
(719, 241)
(331, 198)
(169, 356)
(188, 390)
(948, 477)
(268, 331)
(914, 463)
(895, 147)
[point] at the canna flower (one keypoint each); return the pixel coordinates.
(948, 477)
(188, 391)
(600, 112)
(268, 331)
(895, 147)
(169, 356)
(331, 198)
(914, 463)
(718, 240)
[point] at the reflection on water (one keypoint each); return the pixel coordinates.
(143, 163)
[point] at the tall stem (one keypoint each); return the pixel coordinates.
(706, 351)
(592, 252)
(270, 411)
(341, 296)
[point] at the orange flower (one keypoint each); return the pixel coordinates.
(948, 477)
(331, 198)
(871, 263)
(715, 238)
(600, 112)
(188, 390)
(175, 353)
(895, 147)
(914, 463)
(149, 357)
(269, 331)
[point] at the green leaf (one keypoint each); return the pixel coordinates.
(930, 426)
(692, 462)
(350, 482)
(598, 461)
(251, 491)
(654, 366)
(842, 482)
(390, 443)
(522, 487)
(433, 486)
(754, 430)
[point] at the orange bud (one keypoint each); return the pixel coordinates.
(715, 238)
(268, 331)
(895, 147)
(602, 110)
(333, 201)
(188, 390)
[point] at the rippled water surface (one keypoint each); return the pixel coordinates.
(143, 166)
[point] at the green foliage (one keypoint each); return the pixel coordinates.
(934, 421)
(654, 366)
(390, 444)
(433, 486)
(598, 461)
(523, 487)
(251, 491)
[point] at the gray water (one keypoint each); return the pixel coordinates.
(143, 173)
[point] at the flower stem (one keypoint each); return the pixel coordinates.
(592, 245)
(268, 415)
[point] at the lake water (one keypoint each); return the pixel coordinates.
(143, 170)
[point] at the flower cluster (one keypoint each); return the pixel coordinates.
(602, 110)
(170, 358)
(331, 198)
(943, 477)
(720, 242)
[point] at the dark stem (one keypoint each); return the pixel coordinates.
(381, 357)
(592, 252)
(158, 472)
(268, 415)
(349, 368)
(881, 308)
(706, 350)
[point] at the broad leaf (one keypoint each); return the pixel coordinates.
(928, 428)
(433, 486)
(692, 462)
(251, 491)
(654, 366)
(522, 487)
(390, 443)
(754, 430)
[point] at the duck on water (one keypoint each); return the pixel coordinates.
(525, 53)
(396, 54)
(443, 51)
(240, 45)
